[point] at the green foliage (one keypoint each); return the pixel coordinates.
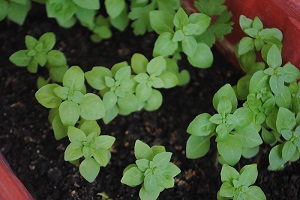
(70, 99)
(39, 53)
(87, 142)
(240, 186)
(231, 126)
(14, 10)
(66, 12)
(126, 89)
(152, 168)
(260, 38)
(139, 13)
(218, 28)
(270, 106)
(178, 33)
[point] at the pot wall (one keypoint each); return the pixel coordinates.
(11, 187)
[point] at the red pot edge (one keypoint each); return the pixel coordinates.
(11, 188)
(287, 20)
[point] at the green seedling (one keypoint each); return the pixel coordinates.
(260, 38)
(71, 99)
(240, 186)
(87, 142)
(14, 10)
(178, 33)
(39, 53)
(116, 87)
(152, 168)
(150, 75)
(66, 12)
(235, 135)
(140, 10)
(288, 126)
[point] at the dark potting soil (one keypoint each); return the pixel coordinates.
(28, 143)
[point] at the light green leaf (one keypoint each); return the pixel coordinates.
(46, 96)
(164, 45)
(56, 58)
(95, 77)
(73, 151)
(288, 151)
(255, 193)
(203, 57)
(102, 156)
(230, 149)
(74, 78)
(109, 99)
(228, 92)
(123, 73)
(104, 141)
(285, 119)
(60, 131)
(89, 169)
(189, 45)
(275, 158)
(258, 81)
(244, 115)
(227, 190)
(161, 21)
(248, 175)
(144, 194)
(132, 177)
(142, 151)
(180, 18)
(114, 7)
(274, 57)
(151, 183)
(170, 79)
(201, 125)
(139, 63)
(92, 107)
(143, 92)
(142, 164)
(91, 4)
(245, 45)
(69, 113)
(171, 170)
(48, 40)
(20, 58)
(154, 102)
(161, 160)
(76, 135)
(129, 103)
(248, 136)
(156, 66)
(229, 173)
(245, 22)
(197, 146)
(18, 12)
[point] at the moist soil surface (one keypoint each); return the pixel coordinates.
(28, 143)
